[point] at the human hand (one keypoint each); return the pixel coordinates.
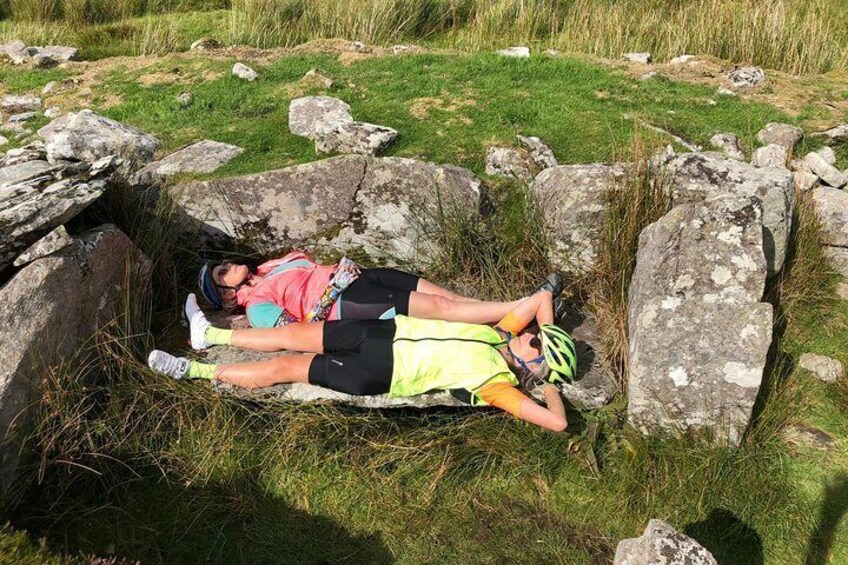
(346, 273)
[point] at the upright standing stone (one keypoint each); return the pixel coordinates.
(699, 333)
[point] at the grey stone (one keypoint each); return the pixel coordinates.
(728, 143)
(16, 51)
(315, 116)
(682, 60)
(12, 104)
(832, 211)
(594, 386)
(521, 52)
(58, 52)
(829, 174)
(185, 99)
(48, 88)
(804, 181)
(541, 153)
(722, 91)
(28, 213)
(3, 141)
(574, 198)
(800, 165)
(802, 435)
(770, 156)
(697, 287)
(822, 367)
(24, 171)
(22, 117)
(202, 157)
(694, 177)
(53, 112)
(50, 243)
(662, 545)
(43, 61)
(205, 44)
(360, 138)
(648, 76)
(827, 154)
(50, 308)
(780, 134)
(317, 78)
(838, 257)
(399, 204)
(405, 49)
(510, 162)
(88, 136)
(643, 58)
(837, 134)
(244, 72)
(552, 52)
(746, 77)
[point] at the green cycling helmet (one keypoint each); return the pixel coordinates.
(560, 353)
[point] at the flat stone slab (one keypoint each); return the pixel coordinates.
(202, 157)
(50, 243)
(22, 172)
(832, 211)
(829, 174)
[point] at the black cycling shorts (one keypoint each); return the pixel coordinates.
(357, 357)
(377, 294)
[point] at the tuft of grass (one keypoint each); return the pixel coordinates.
(643, 198)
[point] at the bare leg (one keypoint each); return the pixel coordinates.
(302, 336)
(426, 287)
(282, 369)
(434, 307)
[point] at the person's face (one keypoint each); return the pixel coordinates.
(527, 347)
(229, 274)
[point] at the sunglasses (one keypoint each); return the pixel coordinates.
(221, 271)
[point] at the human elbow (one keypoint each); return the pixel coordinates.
(558, 424)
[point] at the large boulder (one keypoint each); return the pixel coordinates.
(695, 177)
(699, 333)
(87, 136)
(832, 211)
(662, 545)
(574, 199)
(202, 157)
(50, 308)
(388, 208)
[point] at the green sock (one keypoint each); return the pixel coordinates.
(218, 336)
(201, 370)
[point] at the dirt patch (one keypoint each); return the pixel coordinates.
(795, 95)
(421, 108)
(158, 78)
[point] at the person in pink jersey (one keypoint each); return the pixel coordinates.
(295, 288)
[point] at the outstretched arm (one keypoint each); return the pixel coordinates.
(510, 399)
(540, 307)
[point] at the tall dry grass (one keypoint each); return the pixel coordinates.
(796, 36)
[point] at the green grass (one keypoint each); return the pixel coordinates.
(140, 467)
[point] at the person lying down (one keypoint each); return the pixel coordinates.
(402, 357)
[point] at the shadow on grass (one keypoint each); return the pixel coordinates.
(156, 522)
(833, 509)
(728, 538)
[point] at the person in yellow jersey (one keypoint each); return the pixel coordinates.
(404, 357)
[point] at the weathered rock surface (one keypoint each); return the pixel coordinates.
(681, 59)
(696, 177)
(520, 52)
(11, 104)
(242, 71)
(328, 122)
(360, 138)
(838, 257)
(832, 211)
(541, 153)
(202, 157)
(662, 545)
(827, 154)
(773, 155)
(25, 171)
(643, 58)
(594, 386)
(728, 143)
(837, 134)
(746, 77)
(697, 287)
(574, 198)
(829, 174)
(18, 52)
(50, 307)
(804, 181)
(50, 243)
(823, 368)
(780, 134)
(88, 136)
(205, 44)
(510, 162)
(384, 206)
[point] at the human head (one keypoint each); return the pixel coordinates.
(526, 358)
(219, 283)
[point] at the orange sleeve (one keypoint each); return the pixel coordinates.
(511, 323)
(502, 395)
